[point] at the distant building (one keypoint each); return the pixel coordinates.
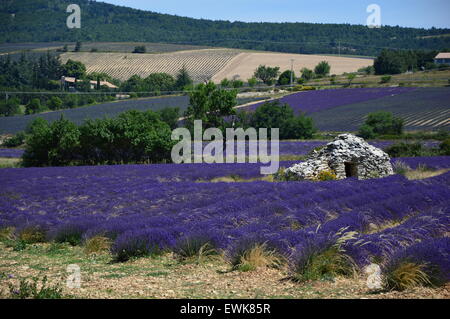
(442, 58)
(68, 83)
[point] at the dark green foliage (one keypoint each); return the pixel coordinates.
(398, 61)
(385, 79)
(210, 104)
(307, 74)
(51, 144)
(105, 22)
(10, 107)
(322, 69)
(183, 79)
(31, 290)
(78, 46)
(237, 84)
(445, 147)
(33, 107)
(74, 69)
(54, 103)
(414, 149)
(170, 116)
(159, 82)
(267, 74)
(276, 115)
(16, 140)
(285, 78)
(381, 123)
(253, 81)
(132, 137)
(140, 49)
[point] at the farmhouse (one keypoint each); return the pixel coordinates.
(442, 58)
(69, 83)
(347, 156)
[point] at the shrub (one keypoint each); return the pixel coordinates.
(170, 116)
(380, 123)
(324, 258)
(253, 252)
(322, 69)
(445, 147)
(54, 103)
(33, 107)
(10, 107)
(423, 264)
(140, 49)
(385, 79)
(276, 115)
(51, 144)
(409, 150)
(16, 140)
(140, 243)
(32, 234)
(401, 168)
(96, 245)
(326, 176)
(285, 78)
(195, 246)
(252, 82)
(30, 290)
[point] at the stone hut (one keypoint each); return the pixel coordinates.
(347, 156)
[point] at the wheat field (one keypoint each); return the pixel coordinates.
(201, 64)
(207, 64)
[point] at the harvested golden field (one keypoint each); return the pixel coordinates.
(243, 65)
(206, 64)
(201, 64)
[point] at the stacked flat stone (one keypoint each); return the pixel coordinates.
(347, 156)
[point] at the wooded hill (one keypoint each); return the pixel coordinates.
(45, 21)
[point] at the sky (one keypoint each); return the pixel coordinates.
(406, 13)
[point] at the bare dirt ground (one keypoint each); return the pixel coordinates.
(244, 65)
(167, 277)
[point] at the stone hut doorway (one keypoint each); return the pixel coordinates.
(351, 170)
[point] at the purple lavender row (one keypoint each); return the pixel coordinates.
(314, 101)
(11, 153)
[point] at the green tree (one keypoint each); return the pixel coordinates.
(225, 83)
(159, 82)
(322, 69)
(54, 103)
(381, 123)
(33, 107)
(74, 69)
(211, 105)
(281, 116)
(183, 79)
(53, 144)
(267, 74)
(10, 107)
(237, 84)
(78, 46)
(307, 74)
(140, 49)
(252, 82)
(285, 78)
(170, 116)
(389, 62)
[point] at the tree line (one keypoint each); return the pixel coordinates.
(42, 20)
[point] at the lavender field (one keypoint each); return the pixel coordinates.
(315, 101)
(160, 206)
(11, 153)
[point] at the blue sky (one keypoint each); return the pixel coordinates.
(410, 13)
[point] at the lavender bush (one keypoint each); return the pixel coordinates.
(149, 209)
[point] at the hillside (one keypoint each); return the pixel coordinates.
(45, 21)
